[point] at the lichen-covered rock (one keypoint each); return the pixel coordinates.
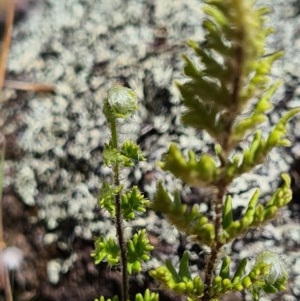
(83, 47)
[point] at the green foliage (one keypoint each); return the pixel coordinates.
(114, 298)
(195, 172)
(180, 281)
(106, 249)
(138, 251)
(132, 151)
(234, 68)
(257, 117)
(133, 201)
(275, 277)
(107, 194)
(148, 296)
(111, 156)
(129, 154)
(267, 274)
(255, 214)
(190, 221)
(206, 170)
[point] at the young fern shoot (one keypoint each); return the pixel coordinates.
(122, 203)
(232, 73)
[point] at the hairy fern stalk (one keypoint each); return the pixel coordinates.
(228, 74)
(122, 203)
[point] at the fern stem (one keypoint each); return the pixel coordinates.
(119, 217)
(217, 245)
(236, 87)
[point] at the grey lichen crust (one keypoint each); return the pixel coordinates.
(82, 47)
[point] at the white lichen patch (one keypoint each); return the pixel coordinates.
(26, 185)
(53, 271)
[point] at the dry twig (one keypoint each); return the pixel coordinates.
(9, 7)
